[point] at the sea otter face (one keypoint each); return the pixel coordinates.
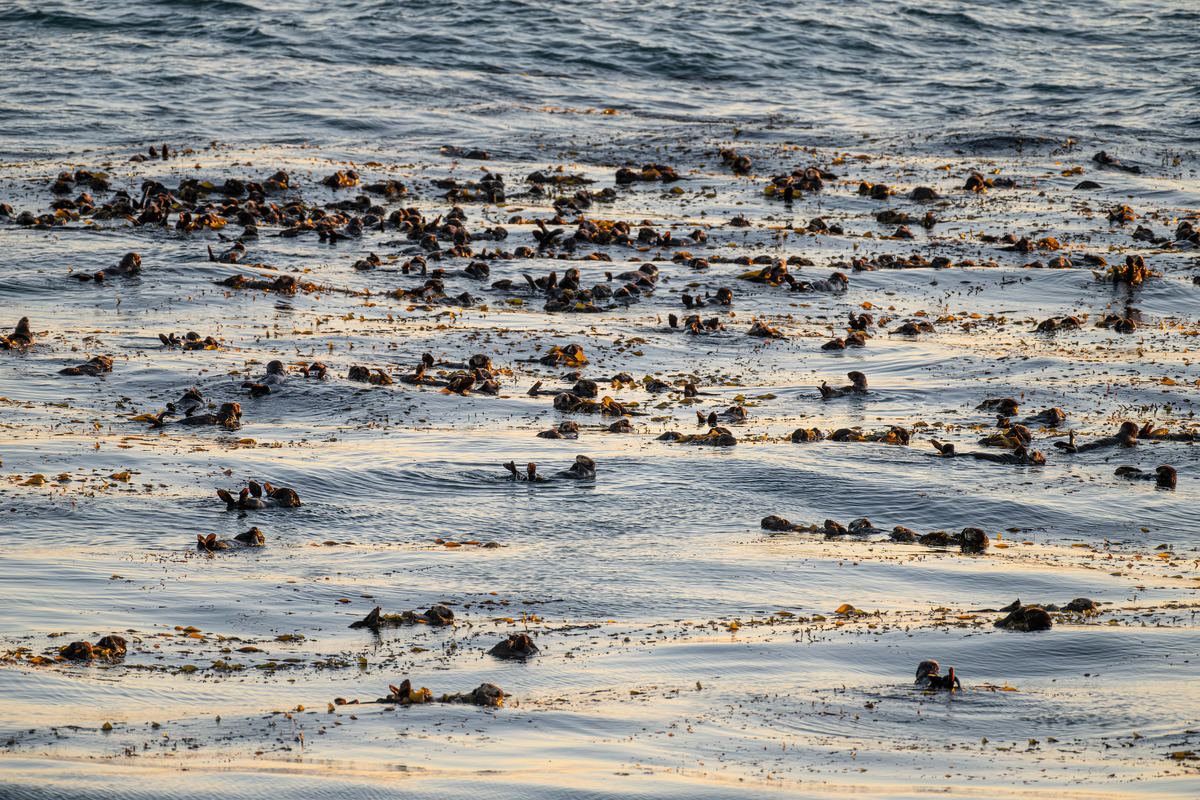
(1166, 476)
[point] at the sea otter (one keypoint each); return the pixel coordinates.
(1020, 456)
(1164, 476)
(112, 646)
(530, 474)
(276, 376)
(93, 367)
(211, 544)
(1126, 436)
(1026, 618)
(252, 497)
(858, 386)
(774, 522)
(583, 467)
(565, 430)
(20, 337)
(229, 415)
(517, 645)
(928, 677)
(130, 264)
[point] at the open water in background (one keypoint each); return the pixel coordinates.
(84, 75)
(635, 578)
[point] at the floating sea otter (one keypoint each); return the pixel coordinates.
(858, 385)
(130, 264)
(437, 615)
(190, 341)
(565, 430)
(517, 645)
(228, 415)
(716, 437)
(732, 414)
(1020, 456)
(276, 376)
(211, 544)
(486, 694)
(928, 677)
(111, 647)
(93, 366)
(583, 467)
(1025, 618)
(252, 497)
(20, 337)
(1126, 436)
(1164, 476)
(283, 284)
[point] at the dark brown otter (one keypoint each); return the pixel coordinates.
(1126, 436)
(777, 523)
(860, 322)
(20, 337)
(1026, 618)
(733, 414)
(530, 474)
(565, 430)
(1002, 405)
(1010, 436)
(460, 384)
(517, 645)
(283, 284)
(130, 264)
(715, 437)
(252, 498)
(315, 370)
(863, 527)
(973, 540)
(211, 544)
(834, 528)
(761, 330)
(928, 676)
(1051, 417)
(585, 388)
(374, 376)
(1164, 476)
(111, 647)
(276, 376)
(807, 435)
(945, 449)
(207, 343)
(233, 255)
(1020, 456)
(583, 467)
(229, 415)
(894, 434)
(912, 328)
(93, 367)
(436, 615)
(858, 385)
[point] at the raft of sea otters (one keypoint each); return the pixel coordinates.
(1013, 439)
(194, 206)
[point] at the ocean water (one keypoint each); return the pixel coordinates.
(82, 76)
(685, 650)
